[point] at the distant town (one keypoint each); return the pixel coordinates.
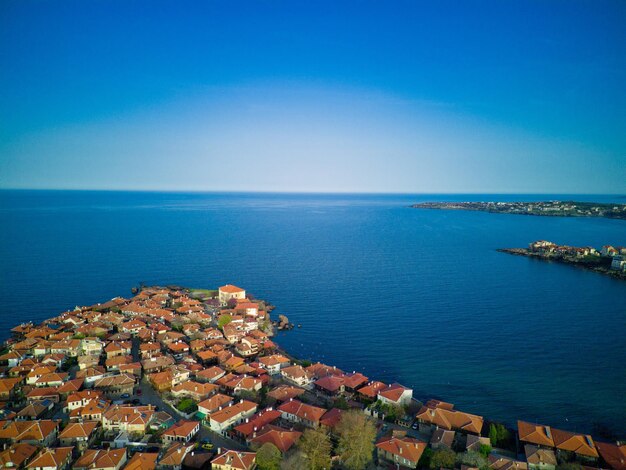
(608, 260)
(176, 378)
(545, 208)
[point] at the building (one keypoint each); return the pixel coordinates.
(404, 451)
(233, 460)
(438, 414)
(223, 419)
(539, 458)
(183, 431)
(228, 292)
(297, 412)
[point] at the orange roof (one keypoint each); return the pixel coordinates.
(405, 447)
(578, 443)
(441, 414)
(238, 408)
(302, 410)
(283, 439)
(182, 429)
(535, 433)
(613, 454)
(142, 461)
(52, 458)
(257, 422)
(17, 454)
(95, 459)
(235, 460)
(230, 289)
(78, 430)
(285, 392)
(176, 453)
(215, 402)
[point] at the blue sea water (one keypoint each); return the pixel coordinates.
(400, 294)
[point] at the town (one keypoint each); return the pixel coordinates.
(608, 260)
(543, 208)
(176, 378)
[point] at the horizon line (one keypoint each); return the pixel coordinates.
(260, 191)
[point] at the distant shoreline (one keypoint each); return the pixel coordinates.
(541, 208)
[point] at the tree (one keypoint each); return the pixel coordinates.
(293, 461)
(315, 445)
(493, 435)
(223, 321)
(268, 457)
(472, 459)
(484, 450)
(443, 458)
(356, 439)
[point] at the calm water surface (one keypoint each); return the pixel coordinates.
(417, 296)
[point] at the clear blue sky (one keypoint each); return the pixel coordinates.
(484, 96)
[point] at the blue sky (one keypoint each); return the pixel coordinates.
(314, 96)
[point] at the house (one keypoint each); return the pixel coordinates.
(272, 364)
(370, 391)
(114, 386)
(283, 439)
(613, 454)
(331, 418)
(196, 390)
(251, 425)
(183, 431)
(131, 419)
(223, 419)
(100, 459)
(498, 462)
(354, 380)
(142, 461)
(284, 393)
(234, 460)
(42, 432)
(243, 383)
(395, 394)
(473, 442)
(211, 375)
(536, 434)
(297, 412)
(438, 414)
(8, 387)
(174, 456)
(580, 444)
(35, 409)
(330, 385)
(157, 364)
(228, 292)
(79, 435)
(58, 458)
(400, 450)
(213, 404)
(118, 348)
(539, 458)
(442, 438)
(17, 455)
(297, 375)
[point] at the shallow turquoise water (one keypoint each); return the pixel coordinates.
(417, 296)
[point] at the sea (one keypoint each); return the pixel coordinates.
(415, 296)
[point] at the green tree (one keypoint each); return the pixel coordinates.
(493, 435)
(443, 458)
(268, 457)
(356, 439)
(223, 321)
(315, 445)
(472, 459)
(293, 461)
(569, 466)
(484, 450)
(424, 461)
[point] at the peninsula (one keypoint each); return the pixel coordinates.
(609, 260)
(545, 208)
(176, 378)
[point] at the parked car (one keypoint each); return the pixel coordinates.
(207, 446)
(414, 425)
(125, 395)
(138, 392)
